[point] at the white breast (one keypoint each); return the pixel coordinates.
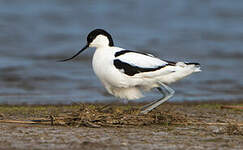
(103, 66)
(108, 74)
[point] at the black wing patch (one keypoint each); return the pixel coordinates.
(171, 63)
(192, 63)
(128, 51)
(132, 70)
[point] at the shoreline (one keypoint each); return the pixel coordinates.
(86, 126)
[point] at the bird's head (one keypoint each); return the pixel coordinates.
(99, 38)
(96, 38)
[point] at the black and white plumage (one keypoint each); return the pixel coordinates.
(129, 62)
(126, 73)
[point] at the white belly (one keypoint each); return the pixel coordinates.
(116, 83)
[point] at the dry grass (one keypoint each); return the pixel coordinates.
(117, 116)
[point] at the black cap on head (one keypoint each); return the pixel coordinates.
(93, 34)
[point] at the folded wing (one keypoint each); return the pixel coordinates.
(131, 62)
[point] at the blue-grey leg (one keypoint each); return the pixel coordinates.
(167, 94)
(150, 104)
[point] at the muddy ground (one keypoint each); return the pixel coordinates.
(204, 125)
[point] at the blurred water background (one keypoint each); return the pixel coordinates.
(35, 34)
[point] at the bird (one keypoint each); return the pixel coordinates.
(127, 74)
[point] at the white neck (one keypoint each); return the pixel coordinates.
(100, 41)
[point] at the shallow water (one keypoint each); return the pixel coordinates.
(34, 34)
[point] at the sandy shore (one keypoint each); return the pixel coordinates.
(171, 126)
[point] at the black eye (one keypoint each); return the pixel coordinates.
(90, 38)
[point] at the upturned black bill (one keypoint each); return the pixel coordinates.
(75, 54)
